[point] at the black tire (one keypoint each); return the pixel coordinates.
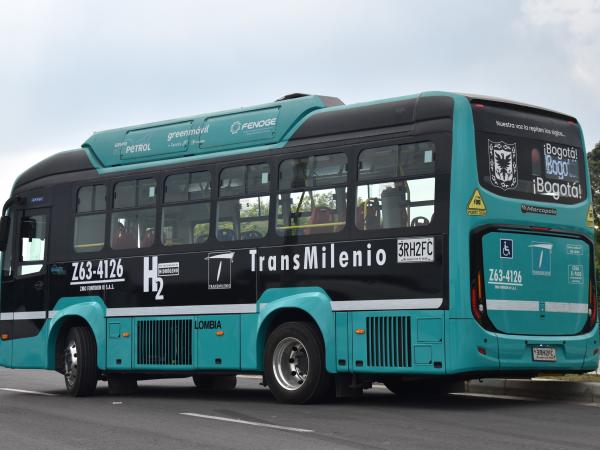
(307, 380)
(215, 382)
(81, 371)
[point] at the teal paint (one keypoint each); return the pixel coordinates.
(424, 353)
(502, 210)
(314, 301)
(590, 362)
(250, 343)
(200, 135)
(119, 343)
(464, 338)
(459, 326)
(92, 310)
(342, 348)
(215, 351)
(39, 352)
(292, 114)
(6, 353)
(430, 330)
(528, 279)
(30, 353)
(499, 210)
(571, 351)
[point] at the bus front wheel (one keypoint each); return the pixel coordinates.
(294, 364)
(81, 373)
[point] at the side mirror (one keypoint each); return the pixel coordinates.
(4, 229)
(28, 228)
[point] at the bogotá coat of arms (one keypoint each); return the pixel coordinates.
(503, 164)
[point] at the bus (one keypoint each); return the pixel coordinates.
(410, 241)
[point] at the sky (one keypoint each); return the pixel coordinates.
(68, 68)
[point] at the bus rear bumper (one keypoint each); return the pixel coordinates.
(471, 349)
(573, 353)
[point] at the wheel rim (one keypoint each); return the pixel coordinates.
(71, 368)
(291, 363)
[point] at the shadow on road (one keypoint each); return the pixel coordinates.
(374, 398)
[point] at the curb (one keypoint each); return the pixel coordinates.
(537, 388)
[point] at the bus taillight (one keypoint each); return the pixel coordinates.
(592, 307)
(477, 298)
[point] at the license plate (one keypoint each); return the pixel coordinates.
(544, 354)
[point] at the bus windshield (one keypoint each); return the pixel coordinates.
(529, 156)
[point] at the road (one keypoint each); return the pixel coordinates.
(172, 414)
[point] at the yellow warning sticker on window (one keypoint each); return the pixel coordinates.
(476, 207)
(589, 220)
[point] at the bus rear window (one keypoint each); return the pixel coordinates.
(529, 156)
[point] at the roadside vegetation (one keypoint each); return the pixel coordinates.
(594, 165)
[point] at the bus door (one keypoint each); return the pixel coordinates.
(7, 293)
(28, 294)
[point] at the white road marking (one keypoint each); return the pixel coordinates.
(246, 422)
(23, 391)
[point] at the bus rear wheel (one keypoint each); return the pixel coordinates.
(294, 364)
(215, 382)
(81, 373)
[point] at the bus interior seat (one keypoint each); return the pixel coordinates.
(250, 234)
(321, 215)
(119, 237)
(368, 214)
(419, 221)
(225, 234)
(131, 238)
(200, 238)
(148, 238)
(394, 207)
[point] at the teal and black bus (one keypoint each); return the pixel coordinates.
(325, 246)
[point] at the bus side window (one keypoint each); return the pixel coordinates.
(90, 219)
(402, 189)
(133, 219)
(312, 195)
(246, 216)
(186, 212)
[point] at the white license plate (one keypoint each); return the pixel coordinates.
(544, 354)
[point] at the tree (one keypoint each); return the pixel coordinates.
(594, 166)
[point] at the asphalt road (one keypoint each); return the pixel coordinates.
(172, 414)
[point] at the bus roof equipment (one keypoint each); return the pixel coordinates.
(208, 133)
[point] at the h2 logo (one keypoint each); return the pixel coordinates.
(152, 282)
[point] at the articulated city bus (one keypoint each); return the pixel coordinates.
(325, 246)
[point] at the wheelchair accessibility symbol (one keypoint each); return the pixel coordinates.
(506, 248)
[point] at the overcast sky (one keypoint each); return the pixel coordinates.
(69, 68)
